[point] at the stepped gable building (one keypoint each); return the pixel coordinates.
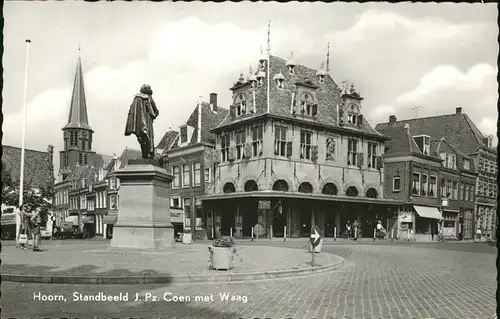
(416, 174)
(462, 134)
(191, 159)
(295, 151)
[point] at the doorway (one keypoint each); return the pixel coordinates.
(330, 222)
(227, 222)
(250, 217)
(279, 223)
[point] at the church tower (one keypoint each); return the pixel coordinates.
(77, 133)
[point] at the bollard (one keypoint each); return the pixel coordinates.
(231, 232)
(392, 234)
(284, 234)
(334, 233)
(252, 233)
(374, 234)
(212, 233)
(408, 235)
(271, 233)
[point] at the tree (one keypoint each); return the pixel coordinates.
(34, 198)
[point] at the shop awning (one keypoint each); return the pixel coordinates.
(110, 219)
(87, 220)
(428, 212)
(71, 219)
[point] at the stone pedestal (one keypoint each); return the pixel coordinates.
(144, 208)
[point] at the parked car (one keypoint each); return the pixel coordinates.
(44, 233)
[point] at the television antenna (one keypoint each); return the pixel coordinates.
(415, 109)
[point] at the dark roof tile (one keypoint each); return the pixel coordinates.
(38, 171)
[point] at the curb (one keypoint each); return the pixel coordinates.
(109, 280)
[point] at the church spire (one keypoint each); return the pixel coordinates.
(78, 108)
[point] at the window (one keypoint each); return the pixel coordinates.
(443, 188)
(416, 187)
(185, 175)
(466, 164)
(176, 202)
(462, 195)
(112, 202)
(207, 175)
(257, 134)
(455, 190)
(184, 134)
(241, 104)
(280, 83)
(291, 69)
(280, 139)
(66, 159)
(396, 184)
(113, 183)
(176, 183)
(187, 206)
(305, 144)
(80, 159)
(197, 173)
(224, 147)
(372, 155)
(73, 138)
(352, 114)
(240, 144)
(306, 104)
(352, 152)
(448, 189)
(425, 184)
(467, 192)
(472, 189)
(433, 186)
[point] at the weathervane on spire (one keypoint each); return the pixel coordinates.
(328, 59)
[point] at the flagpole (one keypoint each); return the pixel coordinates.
(25, 106)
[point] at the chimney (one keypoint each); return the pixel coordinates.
(213, 101)
(392, 119)
(458, 110)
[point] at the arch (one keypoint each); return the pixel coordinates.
(352, 191)
(305, 187)
(371, 193)
(330, 189)
(280, 185)
(228, 188)
(251, 186)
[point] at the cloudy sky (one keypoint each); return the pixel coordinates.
(437, 56)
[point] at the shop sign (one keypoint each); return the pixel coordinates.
(264, 204)
(405, 217)
(176, 215)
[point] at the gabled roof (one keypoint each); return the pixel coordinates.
(167, 140)
(328, 96)
(83, 172)
(38, 171)
(78, 109)
(457, 129)
(401, 141)
(209, 120)
(127, 154)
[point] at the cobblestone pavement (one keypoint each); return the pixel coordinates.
(378, 281)
(83, 259)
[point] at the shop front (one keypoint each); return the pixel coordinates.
(450, 224)
(419, 223)
(88, 222)
(278, 214)
(109, 220)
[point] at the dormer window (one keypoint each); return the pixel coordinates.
(241, 104)
(184, 134)
(352, 114)
(321, 78)
(424, 143)
(291, 69)
(262, 65)
(306, 104)
(279, 79)
(466, 164)
(253, 83)
(260, 78)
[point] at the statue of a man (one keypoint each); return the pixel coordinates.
(140, 120)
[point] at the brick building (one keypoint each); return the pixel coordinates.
(295, 151)
(190, 153)
(462, 134)
(435, 182)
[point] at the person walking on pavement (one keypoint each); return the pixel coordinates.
(36, 221)
(355, 227)
(478, 234)
(348, 229)
(25, 232)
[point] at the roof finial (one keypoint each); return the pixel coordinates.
(241, 79)
(79, 48)
(352, 90)
(250, 70)
(269, 38)
(322, 66)
(328, 59)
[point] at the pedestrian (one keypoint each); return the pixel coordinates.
(478, 234)
(36, 221)
(348, 229)
(355, 226)
(380, 230)
(25, 231)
